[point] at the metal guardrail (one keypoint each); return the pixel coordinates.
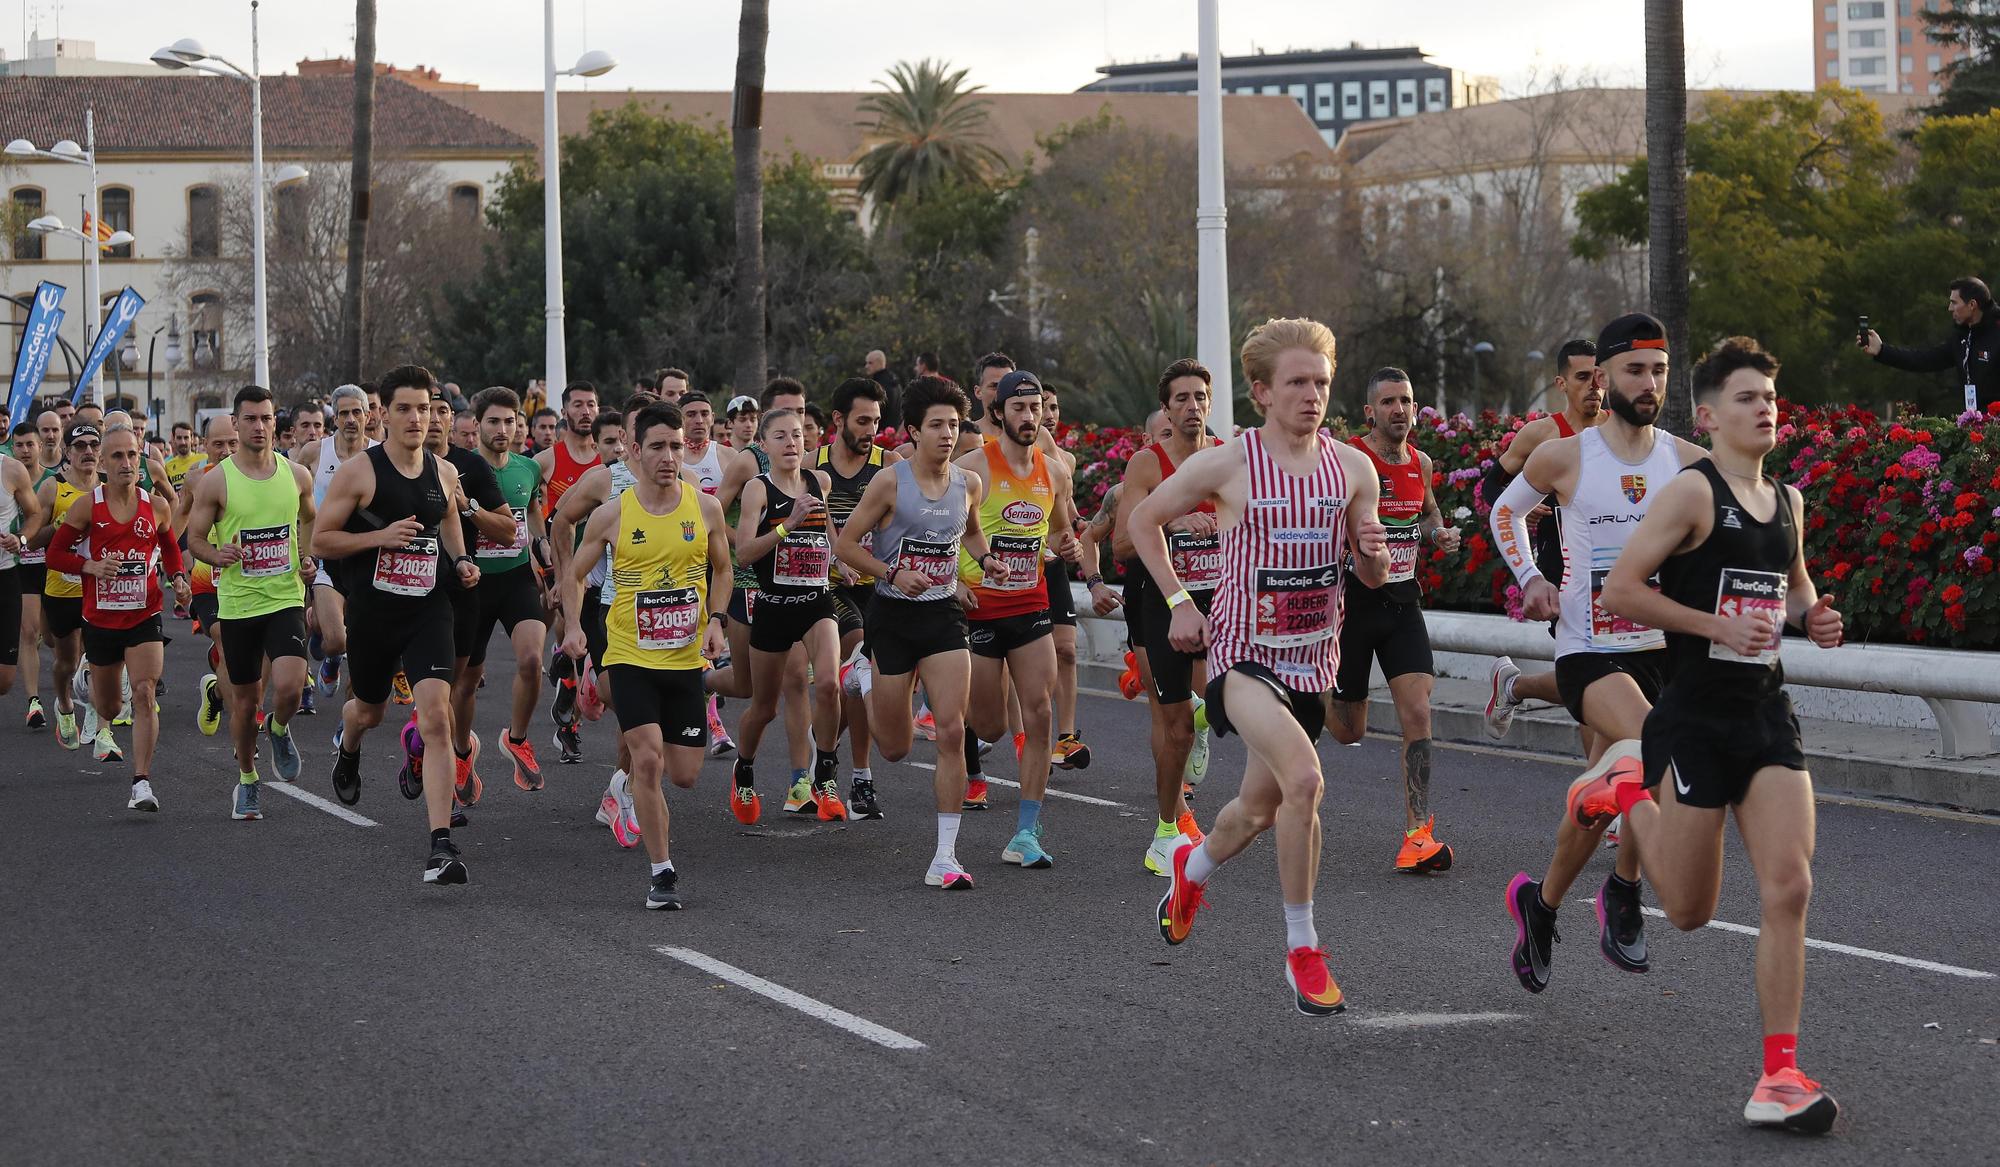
(1955, 685)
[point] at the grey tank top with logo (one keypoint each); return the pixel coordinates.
(622, 480)
(923, 533)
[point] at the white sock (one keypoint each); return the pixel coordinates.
(620, 785)
(1508, 694)
(862, 775)
(1199, 865)
(947, 847)
(669, 866)
(1299, 930)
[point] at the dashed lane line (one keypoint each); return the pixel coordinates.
(313, 800)
(838, 1018)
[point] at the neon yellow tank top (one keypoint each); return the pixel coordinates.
(660, 566)
(62, 583)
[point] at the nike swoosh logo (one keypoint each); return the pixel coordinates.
(1681, 786)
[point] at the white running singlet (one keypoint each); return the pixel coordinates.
(1611, 497)
(708, 467)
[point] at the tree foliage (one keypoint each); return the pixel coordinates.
(933, 129)
(1972, 82)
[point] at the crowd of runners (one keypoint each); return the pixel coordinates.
(686, 564)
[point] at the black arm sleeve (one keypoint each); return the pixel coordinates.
(1920, 360)
(1496, 481)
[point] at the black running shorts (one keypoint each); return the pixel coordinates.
(783, 621)
(1374, 628)
(669, 698)
(202, 609)
(1710, 747)
(1306, 708)
(994, 639)
(850, 606)
(1173, 670)
(10, 616)
(1062, 601)
(61, 615)
(743, 605)
(464, 618)
(594, 641)
(902, 632)
(418, 636)
(1578, 671)
(247, 641)
(104, 647)
(1137, 584)
(34, 578)
(506, 599)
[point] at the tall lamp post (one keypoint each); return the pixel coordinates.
(50, 225)
(84, 155)
(1211, 228)
(595, 63)
(188, 53)
(1483, 349)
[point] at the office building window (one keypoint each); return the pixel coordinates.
(1874, 11)
(1909, 65)
(1934, 62)
(27, 207)
(1273, 90)
(1833, 68)
(1406, 96)
(1872, 38)
(1378, 99)
(1867, 67)
(116, 206)
(1434, 96)
(1298, 93)
(1350, 100)
(1904, 36)
(1832, 14)
(1903, 7)
(204, 227)
(1323, 101)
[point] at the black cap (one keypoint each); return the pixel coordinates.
(1635, 330)
(1019, 383)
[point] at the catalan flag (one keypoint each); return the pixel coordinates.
(102, 230)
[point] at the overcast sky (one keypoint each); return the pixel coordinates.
(1010, 46)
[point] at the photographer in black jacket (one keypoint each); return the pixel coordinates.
(1974, 351)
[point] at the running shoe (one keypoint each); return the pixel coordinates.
(400, 689)
(466, 785)
(245, 806)
(1187, 794)
(1187, 827)
(1071, 753)
(79, 685)
(308, 705)
(564, 708)
(985, 747)
(1197, 762)
(947, 874)
(743, 800)
(569, 744)
(66, 730)
(106, 749)
(1130, 685)
(607, 808)
(926, 725)
(1793, 1101)
(124, 714)
(826, 798)
(857, 676)
(208, 715)
(410, 775)
(1313, 987)
(444, 865)
(142, 797)
(1025, 848)
(458, 818)
(861, 801)
(527, 770)
(1499, 705)
(284, 755)
(1020, 745)
(1621, 927)
(1611, 832)
(661, 896)
(329, 675)
(1534, 932)
(720, 744)
(975, 794)
(624, 825)
(1182, 901)
(1592, 797)
(37, 719)
(1160, 853)
(1421, 853)
(90, 725)
(346, 777)
(589, 701)
(799, 800)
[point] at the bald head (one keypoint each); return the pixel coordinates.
(874, 362)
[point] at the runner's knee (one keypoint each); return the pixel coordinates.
(1785, 892)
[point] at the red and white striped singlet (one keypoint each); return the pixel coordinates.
(1279, 603)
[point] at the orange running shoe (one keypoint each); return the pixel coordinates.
(831, 808)
(527, 770)
(1791, 1100)
(1070, 753)
(1129, 682)
(1188, 827)
(1313, 988)
(1421, 853)
(1182, 901)
(745, 805)
(975, 795)
(1592, 797)
(468, 787)
(926, 725)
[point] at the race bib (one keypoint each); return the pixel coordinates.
(1023, 556)
(1616, 632)
(935, 559)
(1741, 591)
(40, 555)
(666, 618)
(1295, 605)
(1404, 540)
(1971, 398)
(1197, 560)
(266, 550)
(484, 548)
(802, 559)
(126, 591)
(409, 570)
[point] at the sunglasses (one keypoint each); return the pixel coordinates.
(84, 445)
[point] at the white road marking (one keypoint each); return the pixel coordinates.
(1850, 950)
(1425, 1020)
(1052, 793)
(838, 1018)
(333, 808)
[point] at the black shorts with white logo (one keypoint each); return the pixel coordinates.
(1578, 671)
(1710, 746)
(902, 632)
(1173, 670)
(417, 637)
(247, 640)
(669, 698)
(779, 621)
(104, 647)
(1374, 628)
(1062, 601)
(1306, 708)
(994, 639)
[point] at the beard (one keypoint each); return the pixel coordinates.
(857, 443)
(1024, 434)
(1630, 410)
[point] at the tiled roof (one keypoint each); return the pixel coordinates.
(205, 113)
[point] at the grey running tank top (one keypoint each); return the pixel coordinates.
(923, 533)
(622, 480)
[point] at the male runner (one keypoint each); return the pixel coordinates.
(669, 554)
(218, 438)
(673, 384)
(920, 514)
(542, 433)
(30, 451)
(1726, 543)
(1608, 669)
(1026, 496)
(742, 416)
(308, 426)
(465, 430)
(377, 415)
(482, 511)
(62, 590)
(387, 513)
(20, 516)
(508, 594)
(247, 523)
(566, 459)
(851, 459)
(185, 455)
(1068, 750)
(118, 535)
(1576, 368)
(1290, 503)
(325, 457)
(1179, 729)
(1386, 624)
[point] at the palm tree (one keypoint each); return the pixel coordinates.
(1666, 193)
(364, 161)
(933, 128)
(746, 128)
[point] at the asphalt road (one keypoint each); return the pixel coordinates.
(184, 988)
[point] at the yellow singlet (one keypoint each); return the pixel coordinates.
(660, 565)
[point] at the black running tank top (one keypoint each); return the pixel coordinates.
(1743, 564)
(400, 574)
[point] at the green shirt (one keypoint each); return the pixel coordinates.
(262, 515)
(520, 480)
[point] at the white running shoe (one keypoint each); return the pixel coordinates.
(1160, 856)
(142, 797)
(1499, 705)
(947, 874)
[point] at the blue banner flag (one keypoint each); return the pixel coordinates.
(123, 313)
(38, 343)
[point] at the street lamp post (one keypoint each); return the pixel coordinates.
(555, 355)
(1211, 227)
(1482, 349)
(86, 155)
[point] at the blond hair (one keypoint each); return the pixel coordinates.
(1267, 340)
